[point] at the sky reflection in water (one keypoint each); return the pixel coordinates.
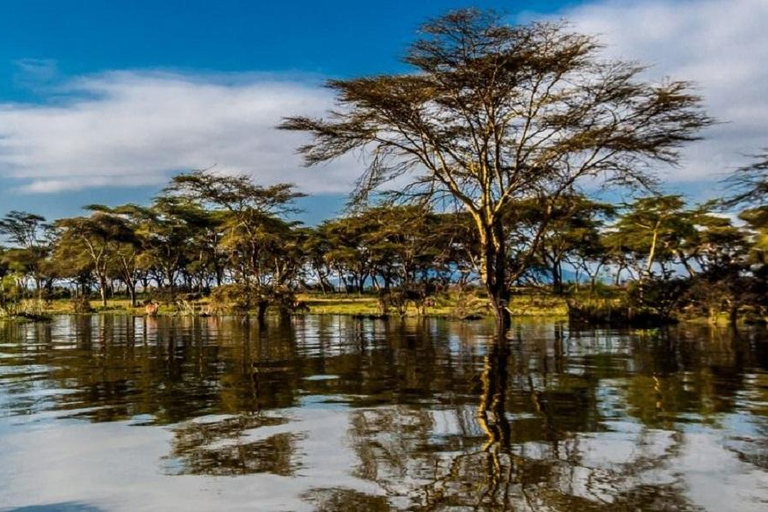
(332, 413)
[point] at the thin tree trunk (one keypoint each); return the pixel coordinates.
(131, 293)
(103, 290)
(652, 252)
(261, 311)
(557, 278)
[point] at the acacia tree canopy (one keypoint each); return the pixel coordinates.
(749, 183)
(492, 114)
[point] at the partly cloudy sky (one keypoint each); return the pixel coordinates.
(105, 108)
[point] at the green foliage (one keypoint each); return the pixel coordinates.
(26, 309)
(469, 306)
(657, 297)
(81, 305)
(233, 298)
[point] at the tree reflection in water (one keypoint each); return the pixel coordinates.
(515, 455)
(419, 414)
(224, 447)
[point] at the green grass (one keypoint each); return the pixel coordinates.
(532, 303)
(523, 304)
(528, 304)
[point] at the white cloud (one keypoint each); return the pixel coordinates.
(136, 128)
(720, 45)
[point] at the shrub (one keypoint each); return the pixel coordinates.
(660, 297)
(231, 297)
(81, 305)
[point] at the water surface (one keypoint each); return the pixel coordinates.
(332, 413)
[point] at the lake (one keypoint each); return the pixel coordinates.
(116, 413)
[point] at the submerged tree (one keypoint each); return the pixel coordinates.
(494, 114)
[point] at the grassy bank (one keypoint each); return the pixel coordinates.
(525, 303)
(528, 304)
(453, 306)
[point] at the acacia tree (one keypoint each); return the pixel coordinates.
(749, 184)
(31, 238)
(171, 230)
(349, 253)
(262, 252)
(749, 187)
(572, 237)
(98, 238)
(654, 229)
(493, 114)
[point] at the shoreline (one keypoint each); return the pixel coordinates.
(523, 306)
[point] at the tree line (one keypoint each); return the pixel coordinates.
(211, 233)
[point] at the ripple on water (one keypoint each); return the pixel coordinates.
(333, 413)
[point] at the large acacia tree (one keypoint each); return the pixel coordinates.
(492, 114)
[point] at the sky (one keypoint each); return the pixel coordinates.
(102, 100)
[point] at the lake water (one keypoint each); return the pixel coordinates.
(332, 413)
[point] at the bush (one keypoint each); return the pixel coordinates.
(598, 310)
(650, 302)
(29, 309)
(237, 298)
(469, 306)
(658, 297)
(231, 297)
(81, 305)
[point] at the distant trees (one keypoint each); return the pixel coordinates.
(247, 216)
(571, 237)
(385, 247)
(649, 233)
(495, 114)
(106, 241)
(224, 235)
(208, 231)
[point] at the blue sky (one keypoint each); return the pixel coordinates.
(100, 101)
(335, 38)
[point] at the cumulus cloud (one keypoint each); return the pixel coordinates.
(137, 128)
(720, 45)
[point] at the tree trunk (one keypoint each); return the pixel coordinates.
(103, 290)
(494, 273)
(361, 284)
(686, 263)
(652, 252)
(171, 285)
(620, 269)
(345, 284)
(321, 280)
(131, 293)
(557, 278)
